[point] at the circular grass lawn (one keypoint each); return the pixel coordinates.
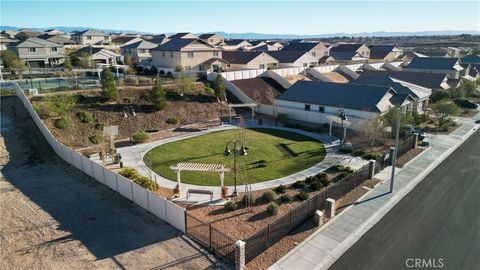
(271, 154)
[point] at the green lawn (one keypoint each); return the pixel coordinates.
(271, 154)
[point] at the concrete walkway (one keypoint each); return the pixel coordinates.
(325, 246)
(132, 156)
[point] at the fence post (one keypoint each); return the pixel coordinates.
(239, 248)
(319, 218)
(371, 168)
(332, 207)
(415, 140)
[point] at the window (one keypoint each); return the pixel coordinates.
(215, 53)
(326, 53)
(54, 49)
(321, 109)
(307, 107)
(261, 66)
(200, 67)
(89, 37)
(305, 64)
(314, 54)
(142, 50)
(163, 54)
(190, 54)
(171, 54)
(106, 38)
(32, 49)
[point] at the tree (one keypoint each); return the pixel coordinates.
(371, 131)
(109, 90)
(75, 61)
(86, 60)
(444, 110)
(10, 60)
(185, 84)
(158, 96)
(219, 88)
(468, 88)
(390, 119)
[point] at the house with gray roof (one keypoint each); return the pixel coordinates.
(212, 39)
(321, 102)
(439, 65)
(245, 60)
(91, 37)
(192, 54)
(434, 81)
(38, 52)
(100, 56)
(234, 44)
(350, 52)
(288, 59)
(187, 35)
(123, 40)
(5, 41)
(25, 34)
(385, 52)
(316, 49)
(138, 51)
(57, 39)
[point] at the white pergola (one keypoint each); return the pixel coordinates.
(252, 107)
(199, 167)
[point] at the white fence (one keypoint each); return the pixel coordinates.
(160, 207)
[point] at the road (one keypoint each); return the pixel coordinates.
(437, 223)
(53, 216)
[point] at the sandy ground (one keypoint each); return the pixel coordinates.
(54, 217)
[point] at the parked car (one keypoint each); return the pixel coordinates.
(465, 103)
(409, 129)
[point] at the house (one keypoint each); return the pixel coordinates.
(5, 41)
(235, 44)
(212, 39)
(471, 59)
(275, 44)
(91, 37)
(419, 94)
(25, 34)
(158, 39)
(52, 32)
(434, 81)
(343, 57)
(288, 59)
(38, 52)
(187, 35)
(57, 39)
(446, 65)
(9, 33)
(316, 49)
(244, 60)
(120, 41)
(321, 102)
(193, 54)
(100, 56)
(385, 52)
(345, 51)
(138, 51)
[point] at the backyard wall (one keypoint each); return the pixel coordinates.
(160, 207)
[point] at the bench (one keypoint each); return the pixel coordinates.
(200, 191)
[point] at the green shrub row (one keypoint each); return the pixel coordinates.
(135, 176)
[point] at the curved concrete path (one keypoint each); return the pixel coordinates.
(132, 156)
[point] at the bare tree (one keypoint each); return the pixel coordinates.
(371, 131)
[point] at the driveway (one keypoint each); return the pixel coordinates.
(52, 216)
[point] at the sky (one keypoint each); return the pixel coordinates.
(269, 17)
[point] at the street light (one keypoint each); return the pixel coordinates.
(237, 147)
(343, 117)
(394, 158)
(129, 113)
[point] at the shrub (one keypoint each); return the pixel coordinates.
(140, 137)
(173, 120)
(440, 95)
(372, 155)
(231, 205)
(325, 181)
(299, 184)
(85, 117)
(158, 96)
(345, 150)
(58, 104)
(95, 139)
(302, 196)
(342, 175)
(316, 185)
(130, 81)
(185, 84)
(129, 173)
(109, 90)
(340, 168)
(146, 183)
(281, 189)
(286, 198)
(268, 196)
(62, 123)
(209, 90)
(145, 81)
(272, 209)
(358, 153)
(100, 125)
(248, 199)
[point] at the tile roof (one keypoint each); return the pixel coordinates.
(143, 44)
(239, 57)
(179, 35)
(340, 95)
(286, 56)
(439, 63)
(122, 39)
(344, 47)
(429, 80)
(234, 42)
(343, 55)
(385, 81)
(300, 46)
(205, 36)
(90, 32)
(177, 44)
(37, 42)
(380, 51)
(471, 59)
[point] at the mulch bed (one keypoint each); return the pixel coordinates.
(408, 156)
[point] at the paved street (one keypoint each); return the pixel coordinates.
(52, 216)
(439, 219)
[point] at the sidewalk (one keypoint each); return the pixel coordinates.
(325, 246)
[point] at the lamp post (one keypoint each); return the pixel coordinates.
(240, 148)
(395, 150)
(343, 117)
(129, 113)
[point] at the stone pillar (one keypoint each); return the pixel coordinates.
(332, 207)
(415, 140)
(318, 218)
(330, 130)
(239, 247)
(371, 168)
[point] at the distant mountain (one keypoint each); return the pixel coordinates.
(253, 35)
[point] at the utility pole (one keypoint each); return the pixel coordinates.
(395, 151)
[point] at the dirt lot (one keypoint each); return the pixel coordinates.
(54, 217)
(198, 107)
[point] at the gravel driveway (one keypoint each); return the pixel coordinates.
(52, 216)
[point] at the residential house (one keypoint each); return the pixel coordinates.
(9, 33)
(345, 51)
(235, 44)
(385, 52)
(440, 65)
(343, 57)
(193, 54)
(5, 41)
(120, 41)
(275, 44)
(24, 34)
(244, 60)
(100, 56)
(187, 35)
(316, 49)
(91, 37)
(212, 39)
(38, 52)
(321, 102)
(57, 39)
(138, 51)
(434, 81)
(288, 59)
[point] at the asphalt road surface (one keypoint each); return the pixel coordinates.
(436, 226)
(53, 216)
